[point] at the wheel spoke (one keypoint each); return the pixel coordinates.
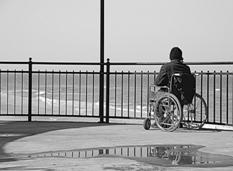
(198, 112)
(168, 112)
(165, 120)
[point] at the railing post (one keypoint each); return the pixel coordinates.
(30, 90)
(107, 90)
(101, 94)
(101, 84)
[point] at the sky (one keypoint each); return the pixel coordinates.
(135, 30)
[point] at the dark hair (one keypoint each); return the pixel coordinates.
(176, 53)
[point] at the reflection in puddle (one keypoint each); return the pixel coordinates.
(162, 155)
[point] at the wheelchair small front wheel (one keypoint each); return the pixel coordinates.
(147, 124)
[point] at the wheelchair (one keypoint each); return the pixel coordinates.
(169, 112)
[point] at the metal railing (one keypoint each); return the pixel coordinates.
(31, 92)
(131, 91)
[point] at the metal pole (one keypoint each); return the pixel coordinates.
(101, 89)
(30, 90)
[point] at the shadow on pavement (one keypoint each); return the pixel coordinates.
(13, 130)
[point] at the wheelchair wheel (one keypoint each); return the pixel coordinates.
(168, 112)
(147, 123)
(196, 114)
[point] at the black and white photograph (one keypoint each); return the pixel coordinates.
(116, 85)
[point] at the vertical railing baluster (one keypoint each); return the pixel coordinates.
(38, 89)
(147, 96)
(80, 79)
(7, 93)
(154, 76)
(52, 89)
(73, 93)
(93, 92)
(201, 92)
(220, 82)
(195, 75)
(0, 91)
(154, 79)
(86, 91)
(14, 92)
(22, 93)
(140, 155)
(66, 92)
(122, 93)
(208, 94)
(45, 82)
(128, 91)
(115, 93)
(59, 92)
(227, 96)
(141, 92)
(135, 82)
(214, 93)
(231, 98)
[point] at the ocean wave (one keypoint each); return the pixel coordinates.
(40, 93)
(51, 101)
(126, 108)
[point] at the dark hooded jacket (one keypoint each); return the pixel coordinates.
(166, 71)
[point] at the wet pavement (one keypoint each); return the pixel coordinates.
(83, 145)
(158, 155)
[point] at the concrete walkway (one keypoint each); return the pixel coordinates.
(20, 139)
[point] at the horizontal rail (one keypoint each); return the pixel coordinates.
(161, 63)
(66, 63)
(113, 72)
(9, 62)
(114, 63)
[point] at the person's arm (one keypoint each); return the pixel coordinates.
(162, 78)
(189, 70)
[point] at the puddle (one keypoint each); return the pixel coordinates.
(159, 155)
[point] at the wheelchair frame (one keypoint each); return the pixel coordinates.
(168, 113)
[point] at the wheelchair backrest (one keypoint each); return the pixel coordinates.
(183, 87)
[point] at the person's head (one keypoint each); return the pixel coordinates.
(176, 54)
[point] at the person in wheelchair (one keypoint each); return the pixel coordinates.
(171, 69)
(176, 104)
(176, 77)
